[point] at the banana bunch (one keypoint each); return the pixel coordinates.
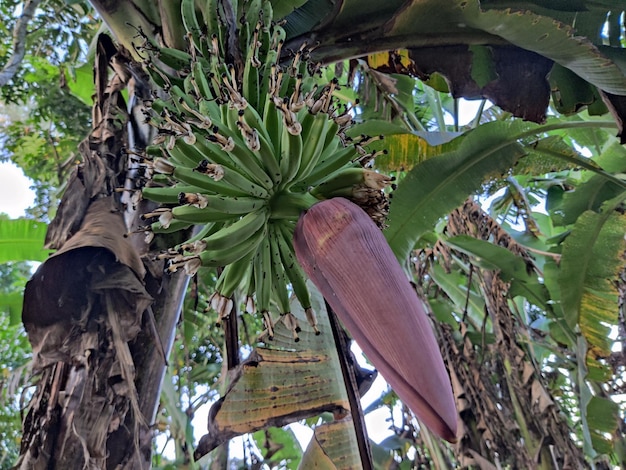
(247, 140)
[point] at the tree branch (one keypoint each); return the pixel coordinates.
(19, 42)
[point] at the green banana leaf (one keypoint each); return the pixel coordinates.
(22, 240)
(332, 447)
(265, 392)
(279, 446)
(591, 261)
(438, 185)
(11, 304)
(549, 154)
(455, 287)
(512, 268)
(602, 419)
(589, 195)
(423, 23)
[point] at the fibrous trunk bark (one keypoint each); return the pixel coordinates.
(99, 313)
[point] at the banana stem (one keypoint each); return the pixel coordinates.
(288, 205)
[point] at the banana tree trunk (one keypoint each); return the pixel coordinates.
(92, 309)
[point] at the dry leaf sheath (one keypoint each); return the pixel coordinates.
(348, 259)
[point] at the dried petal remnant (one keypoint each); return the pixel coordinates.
(349, 260)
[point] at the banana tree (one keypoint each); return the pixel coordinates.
(245, 143)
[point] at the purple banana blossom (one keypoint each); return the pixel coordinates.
(348, 259)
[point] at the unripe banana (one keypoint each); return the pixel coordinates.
(208, 182)
(329, 165)
(171, 227)
(291, 150)
(166, 194)
(268, 156)
(174, 58)
(341, 184)
(262, 275)
(314, 137)
(201, 209)
(242, 156)
(238, 231)
(229, 280)
(226, 256)
(190, 21)
(294, 271)
(279, 279)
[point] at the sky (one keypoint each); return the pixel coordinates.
(15, 192)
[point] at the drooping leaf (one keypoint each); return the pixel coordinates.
(455, 287)
(590, 263)
(549, 154)
(512, 268)
(279, 445)
(589, 195)
(435, 187)
(264, 390)
(570, 92)
(307, 16)
(22, 240)
(333, 447)
(551, 39)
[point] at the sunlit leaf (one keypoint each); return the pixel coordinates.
(11, 304)
(80, 83)
(591, 261)
(438, 185)
(22, 240)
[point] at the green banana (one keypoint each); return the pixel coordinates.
(174, 58)
(226, 256)
(268, 157)
(273, 123)
(262, 275)
(205, 183)
(314, 138)
(193, 27)
(210, 12)
(217, 207)
(291, 150)
(329, 165)
(242, 156)
(179, 157)
(173, 226)
(233, 275)
(199, 76)
(342, 183)
(166, 194)
(200, 232)
(279, 281)
(193, 215)
(238, 231)
(293, 270)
